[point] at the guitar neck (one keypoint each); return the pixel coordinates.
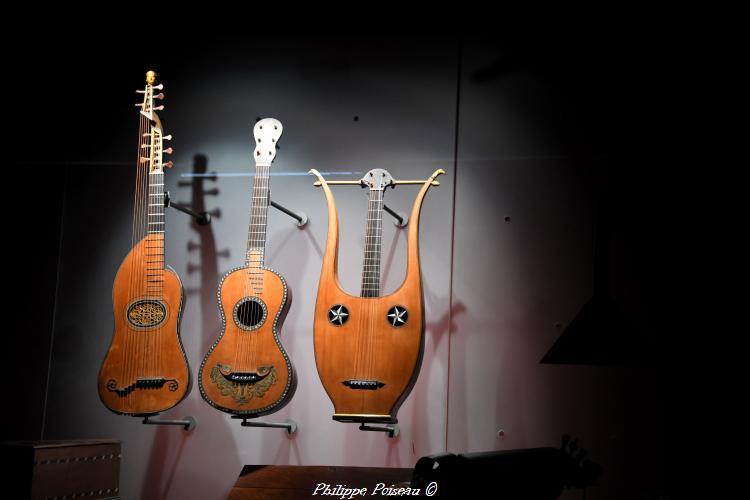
(373, 238)
(256, 234)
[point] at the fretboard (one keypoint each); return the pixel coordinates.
(256, 234)
(373, 237)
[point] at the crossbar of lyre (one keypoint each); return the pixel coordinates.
(359, 183)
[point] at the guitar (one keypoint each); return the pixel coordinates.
(145, 370)
(247, 371)
(368, 349)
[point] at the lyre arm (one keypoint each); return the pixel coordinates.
(330, 258)
(412, 262)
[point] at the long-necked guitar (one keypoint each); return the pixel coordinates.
(247, 371)
(368, 349)
(145, 370)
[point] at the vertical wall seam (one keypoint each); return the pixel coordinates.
(54, 303)
(453, 238)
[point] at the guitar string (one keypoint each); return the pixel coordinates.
(262, 180)
(137, 274)
(360, 303)
(160, 274)
(135, 264)
(376, 279)
(143, 334)
(129, 358)
(361, 324)
(263, 214)
(240, 336)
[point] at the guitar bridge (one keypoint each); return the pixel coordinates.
(245, 377)
(143, 383)
(368, 385)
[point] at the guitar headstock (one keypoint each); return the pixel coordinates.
(267, 133)
(153, 139)
(377, 179)
(147, 105)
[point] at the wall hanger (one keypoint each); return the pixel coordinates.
(289, 424)
(188, 423)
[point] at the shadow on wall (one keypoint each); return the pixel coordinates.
(161, 468)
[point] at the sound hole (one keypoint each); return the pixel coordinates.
(250, 313)
(146, 313)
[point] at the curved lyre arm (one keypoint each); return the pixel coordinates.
(412, 262)
(331, 255)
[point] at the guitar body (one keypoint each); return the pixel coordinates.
(247, 371)
(145, 370)
(367, 347)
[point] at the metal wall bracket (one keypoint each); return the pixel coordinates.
(289, 425)
(391, 429)
(401, 219)
(203, 218)
(300, 217)
(188, 422)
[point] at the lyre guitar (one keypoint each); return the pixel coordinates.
(368, 349)
(145, 370)
(247, 371)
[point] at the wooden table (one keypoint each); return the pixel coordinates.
(292, 482)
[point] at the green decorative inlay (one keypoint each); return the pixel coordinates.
(242, 392)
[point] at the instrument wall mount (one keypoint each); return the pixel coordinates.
(204, 218)
(289, 424)
(188, 423)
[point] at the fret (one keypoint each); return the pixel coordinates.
(256, 234)
(370, 285)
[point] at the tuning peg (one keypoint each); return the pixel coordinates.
(144, 159)
(167, 137)
(158, 108)
(140, 91)
(139, 105)
(158, 87)
(169, 164)
(167, 151)
(159, 96)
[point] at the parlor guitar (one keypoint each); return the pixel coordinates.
(246, 371)
(145, 370)
(368, 349)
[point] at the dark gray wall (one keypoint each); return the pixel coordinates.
(529, 133)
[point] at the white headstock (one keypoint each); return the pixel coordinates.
(377, 179)
(267, 133)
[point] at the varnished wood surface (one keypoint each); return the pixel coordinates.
(297, 482)
(135, 353)
(246, 351)
(367, 346)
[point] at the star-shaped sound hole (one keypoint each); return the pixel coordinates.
(397, 316)
(338, 315)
